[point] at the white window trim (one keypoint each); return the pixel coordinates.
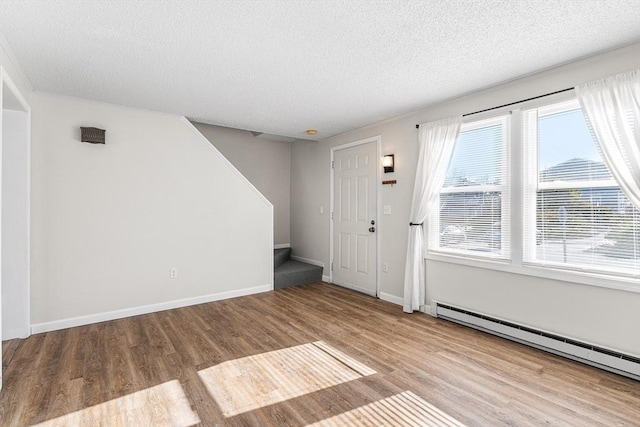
(487, 188)
(570, 185)
(516, 265)
(538, 270)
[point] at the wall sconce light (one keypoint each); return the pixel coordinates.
(387, 163)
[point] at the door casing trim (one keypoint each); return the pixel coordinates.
(378, 141)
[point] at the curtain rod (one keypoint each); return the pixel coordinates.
(514, 103)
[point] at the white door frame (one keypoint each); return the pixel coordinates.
(378, 140)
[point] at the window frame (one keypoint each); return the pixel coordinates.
(533, 185)
(516, 265)
(504, 188)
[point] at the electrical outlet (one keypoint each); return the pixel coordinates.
(173, 273)
(385, 267)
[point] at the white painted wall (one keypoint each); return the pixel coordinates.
(605, 317)
(110, 221)
(265, 163)
(15, 223)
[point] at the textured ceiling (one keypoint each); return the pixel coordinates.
(281, 67)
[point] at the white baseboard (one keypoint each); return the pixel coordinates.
(282, 246)
(326, 279)
(391, 298)
(55, 325)
(307, 260)
(400, 301)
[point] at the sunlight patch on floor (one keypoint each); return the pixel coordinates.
(404, 409)
(245, 384)
(162, 405)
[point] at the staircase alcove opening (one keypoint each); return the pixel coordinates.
(289, 272)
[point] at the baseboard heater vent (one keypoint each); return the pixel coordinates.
(603, 358)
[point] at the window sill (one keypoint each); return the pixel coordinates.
(591, 279)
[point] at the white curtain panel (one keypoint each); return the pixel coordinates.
(435, 146)
(612, 107)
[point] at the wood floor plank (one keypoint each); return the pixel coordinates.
(425, 369)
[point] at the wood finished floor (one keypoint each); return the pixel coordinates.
(472, 377)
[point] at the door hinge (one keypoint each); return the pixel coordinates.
(332, 266)
(332, 164)
(332, 215)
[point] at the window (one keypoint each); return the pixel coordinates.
(576, 216)
(473, 219)
(538, 201)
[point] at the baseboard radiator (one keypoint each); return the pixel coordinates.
(618, 363)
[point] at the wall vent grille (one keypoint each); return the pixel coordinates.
(603, 358)
(92, 135)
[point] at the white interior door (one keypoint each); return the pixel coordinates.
(355, 174)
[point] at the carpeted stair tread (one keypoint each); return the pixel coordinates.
(293, 273)
(280, 256)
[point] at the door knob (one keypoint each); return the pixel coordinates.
(373, 222)
(372, 229)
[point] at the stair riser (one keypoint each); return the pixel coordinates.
(280, 256)
(297, 278)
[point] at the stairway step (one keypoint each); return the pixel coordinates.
(280, 256)
(293, 273)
